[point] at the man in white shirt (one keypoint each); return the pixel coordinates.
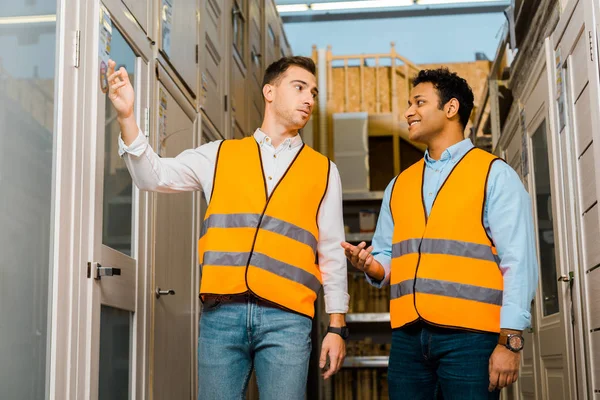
(270, 238)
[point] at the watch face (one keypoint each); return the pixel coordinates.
(515, 342)
(345, 332)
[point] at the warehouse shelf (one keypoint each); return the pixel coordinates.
(359, 237)
(362, 196)
(368, 317)
(366, 362)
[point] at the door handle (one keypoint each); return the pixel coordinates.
(100, 271)
(567, 278)
(164, 292)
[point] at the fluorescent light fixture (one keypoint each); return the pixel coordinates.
(453, 2)
(292, 8)
(27, 19)
(348, 5)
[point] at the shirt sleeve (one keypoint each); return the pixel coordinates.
(332, 261)
(193, 169)
(509, 221)
(382, 239)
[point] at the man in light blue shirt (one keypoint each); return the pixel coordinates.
(461, 363)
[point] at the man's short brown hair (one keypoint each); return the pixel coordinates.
(274, 71)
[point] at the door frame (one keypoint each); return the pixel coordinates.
(582, 13)
(539, 110)
(92, 194)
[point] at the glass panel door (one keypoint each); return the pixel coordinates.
(27, 75)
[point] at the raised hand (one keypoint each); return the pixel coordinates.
(363, 260)
(120, 91)
(360, 257)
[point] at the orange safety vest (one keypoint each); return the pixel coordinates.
(264, 244)
(445, 268)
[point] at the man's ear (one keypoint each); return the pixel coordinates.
(268, 92)
(452, 108)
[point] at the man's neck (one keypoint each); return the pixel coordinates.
(277, 133)
(441, 142)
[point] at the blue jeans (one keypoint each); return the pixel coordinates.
(427, 361)
(236, 336)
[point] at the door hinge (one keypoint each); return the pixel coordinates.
(591, 38)
(77, 47)
(225, 101)
(196, 54)
(146, 122)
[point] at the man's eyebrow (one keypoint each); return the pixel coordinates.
(305, 84)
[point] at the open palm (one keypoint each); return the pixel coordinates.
(120, 91)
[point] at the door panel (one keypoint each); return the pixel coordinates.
(584, 129)
(238, 98)
(552, 299)
(174, 266)
(587, 189)
(271, 41)
(255, 66)
(579, 186)
(594, 280)
(117, 233)
(179, 37)
(213, 23)
(591, 250)
(139, 9)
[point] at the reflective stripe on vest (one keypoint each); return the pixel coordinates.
(448, 289)
(444, 246)
(444, 267)
(264, 262)
(265, 244)
(268, 223)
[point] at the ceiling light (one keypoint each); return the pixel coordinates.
(27, 19)
(292, 8)
(458, 2)
(347, 5)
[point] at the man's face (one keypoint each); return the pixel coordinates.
(294, 96)
(425, 119)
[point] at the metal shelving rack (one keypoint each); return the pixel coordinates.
(372, 325)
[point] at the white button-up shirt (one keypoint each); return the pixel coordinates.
(194, 169)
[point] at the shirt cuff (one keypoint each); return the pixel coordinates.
(337, 303)
(514, 317)
(136, 148)
(385, 263)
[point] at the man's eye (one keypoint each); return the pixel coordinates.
(298, 87)
(420, 102)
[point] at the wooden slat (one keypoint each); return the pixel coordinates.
(377, 89)
(362, 85)
(346, 92)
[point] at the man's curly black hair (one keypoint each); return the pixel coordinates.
(449, 85)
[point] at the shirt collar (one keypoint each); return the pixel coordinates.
(453, 153)
(263, 139)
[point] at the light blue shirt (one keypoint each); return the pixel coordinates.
(507, 219)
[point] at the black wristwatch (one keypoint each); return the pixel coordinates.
(512, 341)
(344, 332)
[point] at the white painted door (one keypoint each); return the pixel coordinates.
(213, 44)
(255, 65)
(179, 40)
(117, 225)
(238, 65)
(575, 91)
(552, 303)
(175, 280)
